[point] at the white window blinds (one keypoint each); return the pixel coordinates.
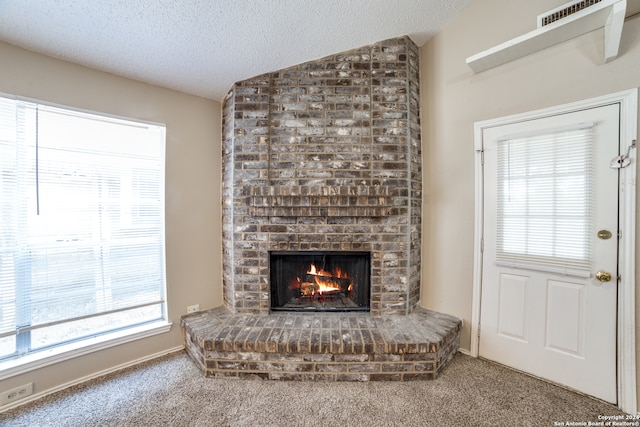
(544, 200)
(81, 225)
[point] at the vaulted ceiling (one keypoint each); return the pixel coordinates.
(202, 47)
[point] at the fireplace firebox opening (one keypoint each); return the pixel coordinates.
(320, 281)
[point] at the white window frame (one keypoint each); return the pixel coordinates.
(542, 256)
(41, 358)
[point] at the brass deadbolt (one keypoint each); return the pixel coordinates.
(604, 234)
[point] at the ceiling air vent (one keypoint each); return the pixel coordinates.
(564, 11)
(561, 24)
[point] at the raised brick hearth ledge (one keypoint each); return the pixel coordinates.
(321, 346)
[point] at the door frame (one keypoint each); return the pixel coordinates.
(626, 324)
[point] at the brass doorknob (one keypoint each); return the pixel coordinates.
(603, 276)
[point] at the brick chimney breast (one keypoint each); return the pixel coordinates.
(326, 155)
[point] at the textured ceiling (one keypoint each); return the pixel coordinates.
(203, 46)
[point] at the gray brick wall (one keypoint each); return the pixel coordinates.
(326, 156)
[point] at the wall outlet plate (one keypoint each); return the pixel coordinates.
(17, 393)
(193, 308)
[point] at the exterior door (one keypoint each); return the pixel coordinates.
(550, 246)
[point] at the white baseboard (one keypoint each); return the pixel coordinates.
(86, 378)
(465, 352)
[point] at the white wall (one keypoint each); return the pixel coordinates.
(193, 215)
(453, 98)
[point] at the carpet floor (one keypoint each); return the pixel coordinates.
(170, 391)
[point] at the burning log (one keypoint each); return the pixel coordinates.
(329, 282)
(318, 282)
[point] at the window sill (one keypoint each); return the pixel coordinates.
(13, 367)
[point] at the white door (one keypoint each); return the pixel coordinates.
(549, 278)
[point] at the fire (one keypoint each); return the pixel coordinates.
(340, 274)
(315, 271)
(323, 282)
(326, 286)
(319, 286)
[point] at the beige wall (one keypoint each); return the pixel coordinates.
(453, 98)
(193, 217)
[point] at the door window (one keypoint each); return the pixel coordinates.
(544, 198)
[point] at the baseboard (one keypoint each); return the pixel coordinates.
(86, 378)
(465, 352)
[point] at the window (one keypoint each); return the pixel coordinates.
(544, 198)
(81, 225)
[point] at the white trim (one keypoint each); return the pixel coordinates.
(465, 352)
(627, 389)
(609, 14)
(626, 354)
(535, 133)
(585, 274)
(86, 378)
(478, 235)
(37, 360)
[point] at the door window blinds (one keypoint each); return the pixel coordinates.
(545, 200)
(81, 225)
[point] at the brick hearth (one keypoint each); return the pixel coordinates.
(321, 347)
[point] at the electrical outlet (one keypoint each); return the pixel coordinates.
(16, 394)
(193, 308)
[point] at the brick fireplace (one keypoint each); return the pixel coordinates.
(324, 157)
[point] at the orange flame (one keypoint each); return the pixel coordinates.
(315, 271)
(340, 274)
(326, 286)
(323, 282)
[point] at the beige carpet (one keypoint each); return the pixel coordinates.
(170, 391)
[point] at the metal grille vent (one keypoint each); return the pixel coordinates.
(567, 11)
